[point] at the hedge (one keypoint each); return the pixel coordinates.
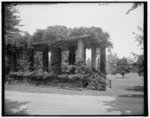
(45, 78)
(84, 78)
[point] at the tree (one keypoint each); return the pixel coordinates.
(122, 66)
(11, 35)
(112, 59)
(38, 35)
(139, 37)
(11, 22)
(139, 64)
(134, 6)
(55, 33)
(25, 55)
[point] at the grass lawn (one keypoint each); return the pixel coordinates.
(128, 92)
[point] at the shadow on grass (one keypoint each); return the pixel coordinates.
(133, 95)
(129, 104)
(122, 77)
(13, 108)
(136, 88)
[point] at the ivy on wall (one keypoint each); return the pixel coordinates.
(56, 60)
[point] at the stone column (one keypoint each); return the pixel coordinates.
(31, 59)
(80, 50)
(103, 60)
(56, 59)
(93, 57)
(72, 55)
(84, 55)
(13, 60)
(45, 60)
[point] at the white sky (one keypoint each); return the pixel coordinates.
(112, 18)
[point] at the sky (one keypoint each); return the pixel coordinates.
(112, 18)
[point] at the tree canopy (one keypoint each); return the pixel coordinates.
(122, 66)
(11, 23)
(62, 33)
(56, 33)
(112, 59)
(139, 64)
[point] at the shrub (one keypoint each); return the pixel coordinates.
(70, 69)
(93, 78)
(84, 78)
(44, 78)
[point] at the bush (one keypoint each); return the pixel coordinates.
(70, 69)
(84, 78)
(95, 80)
(44, 78)
(32, 77)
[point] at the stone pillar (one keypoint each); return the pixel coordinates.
(31, 59)
(80, 50)
(103, 60)
(72, 55)
(93, 57)
(13, 60)
(84, 55)
(56, 59)
(45, 60)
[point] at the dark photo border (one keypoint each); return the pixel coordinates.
(90, 2)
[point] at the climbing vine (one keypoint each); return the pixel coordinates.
(56, 60)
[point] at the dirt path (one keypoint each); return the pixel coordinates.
(58, 104)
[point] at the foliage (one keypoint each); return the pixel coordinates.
(56, 61)
(112, 59)
(84, 78)
(70, 69)
(139, 36)
(11, 23)
(103, 60)
(94, 33)
(65, 56)
(79, 62)
(27, 38)
(7, 65)
(44, 78)
(134, 6)
(38, 35)
(96, 82)
(33, 77)
(53, 33)
(122, 66)
(38, 57)
(23, 62)
(61, 33)
(94, 79)
(140, 64)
